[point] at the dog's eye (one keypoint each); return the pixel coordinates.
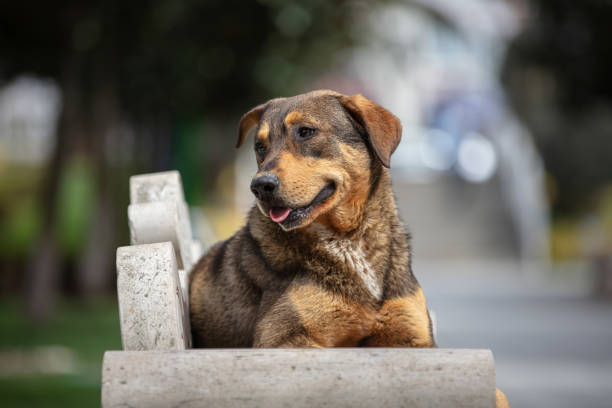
(304, 133)
(260, 148)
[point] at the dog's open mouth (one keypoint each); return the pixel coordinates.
(288, 216)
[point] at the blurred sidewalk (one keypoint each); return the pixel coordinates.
(551, 340)
(552, 343)
(450, 218)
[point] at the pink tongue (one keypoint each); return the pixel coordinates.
(279, 214)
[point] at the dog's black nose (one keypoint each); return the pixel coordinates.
(265, 186)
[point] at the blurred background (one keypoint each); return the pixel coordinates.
(503, 175)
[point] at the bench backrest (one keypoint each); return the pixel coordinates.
(153, 272)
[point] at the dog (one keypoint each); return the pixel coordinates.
(323, 260)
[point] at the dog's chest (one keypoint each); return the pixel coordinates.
(352, 255)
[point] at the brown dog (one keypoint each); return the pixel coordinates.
(324, 260)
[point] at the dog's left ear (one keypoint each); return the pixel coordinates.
(384, 128)
(248, 121)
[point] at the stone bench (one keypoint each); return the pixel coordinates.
(157, 368)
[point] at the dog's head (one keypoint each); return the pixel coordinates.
(317, 154)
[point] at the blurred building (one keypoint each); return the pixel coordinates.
(29, 112)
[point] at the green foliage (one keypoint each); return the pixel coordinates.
(76, 200)
(60, 391)
(178, 56)
(160, 62)
(87, 329)
(20, 218)
(174, 75)
(19, 227)
(188, 143)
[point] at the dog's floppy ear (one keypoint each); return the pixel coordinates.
(247, 121)
(384, 128)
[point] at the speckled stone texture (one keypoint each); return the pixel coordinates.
(151, 307)
(161, 222)
(151, 187)
(366, 377)
(158, 213)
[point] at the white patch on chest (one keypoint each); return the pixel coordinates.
(351, 254)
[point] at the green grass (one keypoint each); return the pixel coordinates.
(87, 329)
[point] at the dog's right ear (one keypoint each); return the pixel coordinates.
(248, 121)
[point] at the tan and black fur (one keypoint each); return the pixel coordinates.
(337, 271)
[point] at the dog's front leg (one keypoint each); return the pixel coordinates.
(306, 315)
(281, 327)
(402, 322)
(292, 341)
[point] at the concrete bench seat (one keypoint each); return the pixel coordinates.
(350, 378)
(157, 368)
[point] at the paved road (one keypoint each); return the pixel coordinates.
(552, 346)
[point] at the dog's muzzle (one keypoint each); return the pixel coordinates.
(265, 187)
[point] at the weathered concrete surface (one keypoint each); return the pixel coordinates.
(183, 276)
(158, 213)
(151, 307)
(160, 222)
(153, 187)
(299, 378)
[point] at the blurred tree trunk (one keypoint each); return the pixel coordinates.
(96, 263)
(43, 272)
(97, 260)
(602, 265)
(162, 142)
